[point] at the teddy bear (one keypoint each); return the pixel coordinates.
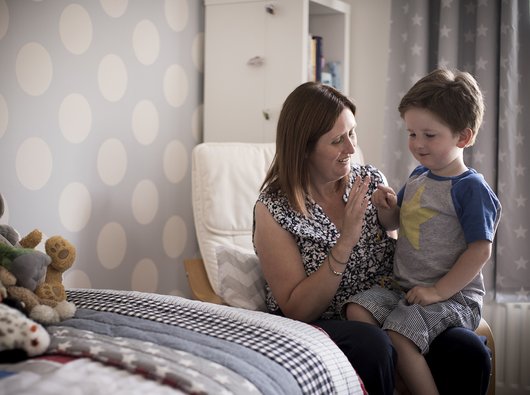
(42, 311)
(62, 254)
(19, 255)
(23, 270)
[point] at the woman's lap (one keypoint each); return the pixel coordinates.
(457, 355)
(368, 349)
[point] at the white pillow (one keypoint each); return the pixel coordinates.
(241, 282)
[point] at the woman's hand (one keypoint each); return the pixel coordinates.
(355, 211)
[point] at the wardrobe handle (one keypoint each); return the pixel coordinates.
(256, 61)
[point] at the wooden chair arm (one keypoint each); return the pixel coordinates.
(485, 330)
(199, 282)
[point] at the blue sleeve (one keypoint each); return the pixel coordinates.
(477, 208)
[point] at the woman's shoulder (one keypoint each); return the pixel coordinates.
(366, 170)
(273, 199)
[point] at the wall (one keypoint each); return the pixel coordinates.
(370, 29)
(100, 106)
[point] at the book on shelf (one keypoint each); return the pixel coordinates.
(319, 57)
(318, 69)
(311, 64)
(316, 58)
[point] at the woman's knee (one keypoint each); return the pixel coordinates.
(460, 355)
(356, 312)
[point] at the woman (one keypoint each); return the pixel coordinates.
(319, 240)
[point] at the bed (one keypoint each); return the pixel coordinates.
(222, 342)
(132, 342)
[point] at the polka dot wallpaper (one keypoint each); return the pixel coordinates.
(100, 106)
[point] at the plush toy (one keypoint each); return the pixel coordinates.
(43, 311)
(32, 239)
(19, 256)
(62, 254)
(23, 270)
(27, 265)
(20, 337)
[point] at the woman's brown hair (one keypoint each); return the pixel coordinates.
(310, 111)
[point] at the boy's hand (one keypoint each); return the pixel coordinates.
(423, 295)
(384, 197)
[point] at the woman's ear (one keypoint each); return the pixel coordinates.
(464, 138)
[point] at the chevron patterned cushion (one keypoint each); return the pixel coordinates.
(241, 282)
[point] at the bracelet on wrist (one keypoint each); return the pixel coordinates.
(335, 259)
(336, 273)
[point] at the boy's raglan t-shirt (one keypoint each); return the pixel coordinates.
(439, 217)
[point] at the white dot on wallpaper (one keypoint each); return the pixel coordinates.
(175, 161)
(177, 14)
(75, 29)
(4, 18)
(145, 122)
(112, 161)
(146, 42)
(75, 118)
(144, 277)
(175, 85)
(197, 52)
(34, 69)
(75, 206)
(75, 278)
(145, 201)
(114, 8)
(112, 77)
(111, 245)
(34, 163)
(4, 115)
(196, 123)
(175, 236)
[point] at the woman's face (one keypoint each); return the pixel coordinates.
(330, 160)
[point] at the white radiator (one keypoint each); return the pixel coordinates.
(510, 324)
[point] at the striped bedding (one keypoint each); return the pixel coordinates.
(193, 347)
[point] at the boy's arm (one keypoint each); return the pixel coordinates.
(467, 266)
(385, 200)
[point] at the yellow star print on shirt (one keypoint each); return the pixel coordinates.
(412, 215)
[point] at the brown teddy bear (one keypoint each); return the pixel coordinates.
(25, 271)
(42, 311)
(63, 254)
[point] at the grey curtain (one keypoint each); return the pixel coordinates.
(491, 40)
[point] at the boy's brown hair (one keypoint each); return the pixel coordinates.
(453, 96)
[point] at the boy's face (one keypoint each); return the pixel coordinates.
(433, 143)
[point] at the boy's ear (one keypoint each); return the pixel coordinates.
(464, 138)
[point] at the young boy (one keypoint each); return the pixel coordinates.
(447, 217)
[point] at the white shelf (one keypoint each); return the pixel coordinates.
(241, 101)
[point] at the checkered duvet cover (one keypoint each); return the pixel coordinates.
(195, 347)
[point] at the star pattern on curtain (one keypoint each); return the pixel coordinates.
(491, 40)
